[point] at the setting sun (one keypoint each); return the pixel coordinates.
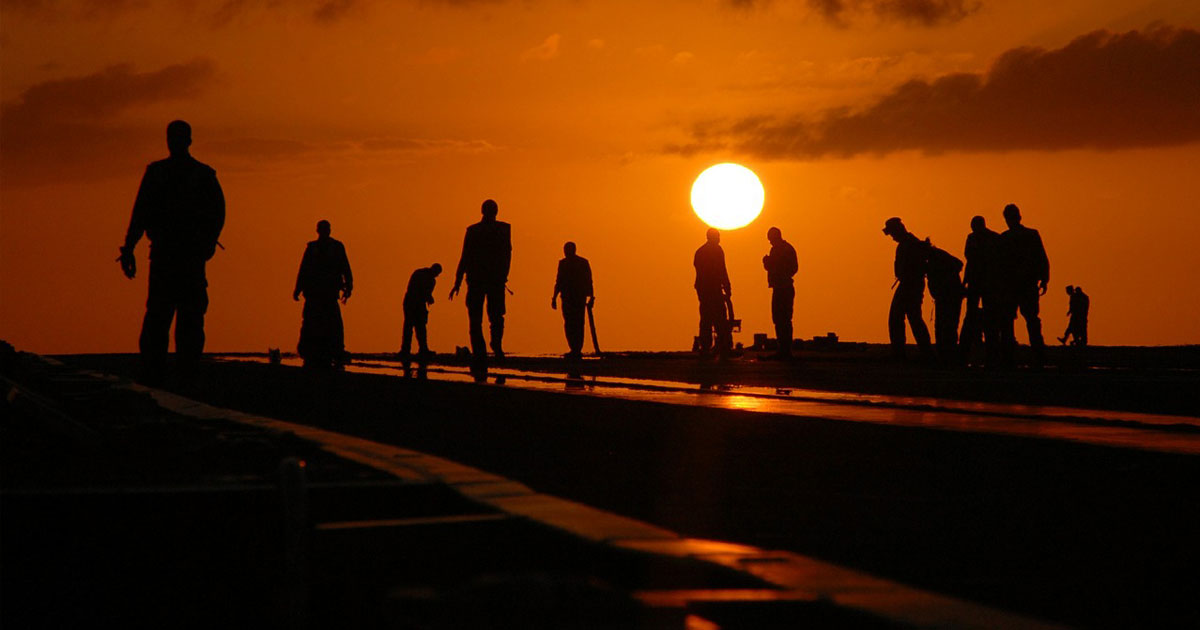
(727, 196)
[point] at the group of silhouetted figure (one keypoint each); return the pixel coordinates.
(1005, 275)
(181, 209)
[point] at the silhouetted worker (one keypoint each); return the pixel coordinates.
(982, 285)
(781, 265)
(1077, 310)
(946, 288)
(713, 288)
(911, 259)
(486, 258)
(574, 283)
(417, 298)
(324, 276)
(181, 209)
(1025, 274)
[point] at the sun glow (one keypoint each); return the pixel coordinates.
(727, 196)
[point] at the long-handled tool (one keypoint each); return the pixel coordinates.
(735, 324)
(592, 326)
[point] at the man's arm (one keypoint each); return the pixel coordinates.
(792, 261)
(558, 277)
(589, 289)
(725, 275)
(462, 265)
(300, 275)
(1043, 264)
(218, 206)
(347, 275)
(137, 224)
(506, 263)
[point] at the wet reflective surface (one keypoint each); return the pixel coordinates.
(1180, 434)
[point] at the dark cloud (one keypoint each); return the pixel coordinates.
(61, 125)
(1101, 91)
(921, 12)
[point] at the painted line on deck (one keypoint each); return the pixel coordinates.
(797, 577)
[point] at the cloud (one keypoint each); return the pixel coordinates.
(59, 124)
(544, 51)
(1101, 91)
(427, 145)
(919, 12)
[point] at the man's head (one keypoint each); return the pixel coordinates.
(323, 228)
(569, 248)
(713, 235)
(894, 228)
(978, 224)
(179, 137)
(1012, 215)
(1070, 290)
(774, 235)
(489, 209)
(436, 268)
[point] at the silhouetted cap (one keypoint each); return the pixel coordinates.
(490, 208)
(893, 226)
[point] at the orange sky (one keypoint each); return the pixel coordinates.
(588, 121)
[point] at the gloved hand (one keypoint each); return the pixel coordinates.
(128, 262)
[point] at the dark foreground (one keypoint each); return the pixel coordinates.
(1067, 532)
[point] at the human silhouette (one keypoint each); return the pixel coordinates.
(1025, 274)
(417, 298)
(946, 288)
(781, 265)
(1077, 310)
(324, 276)
(574, 283)
(713, 290)
(909, 266)
(982, 285)
(485, 261)
(181, 209)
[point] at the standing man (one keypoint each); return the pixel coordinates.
(713, 289)
(324, 275)
(417, 299)
(486, 258)
(574, 282)
(181, 209)
(781, 265)
(1025, 274)
(983, 289)
(911, 255)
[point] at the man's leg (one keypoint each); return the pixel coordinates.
(156, 325)
(495, 312)
(971, 325)
(406, 336)
(896, 325)
(1033, 325)
(573, 314)
(917, 322)
(706, 327)
(782, 301)
(189, 321)
(475, 296)
(419, 326)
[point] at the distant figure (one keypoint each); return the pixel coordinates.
(947, 291)
(486, 258)
(417, 299)
(181, 209)
(324, 276)
(982, 285)
(781, 265)
(1077, 310)
(1025, 274)
(911, 258)
(574, 282)
(713, 289)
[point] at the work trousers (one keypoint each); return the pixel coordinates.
(714, 318)
(946, 312)
(322, 334)
(177, 291)
(573, 312)
(415, 320)
(981, 323)
(782, 302)
(906, 304)
(1025, 302)
(494, 296)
